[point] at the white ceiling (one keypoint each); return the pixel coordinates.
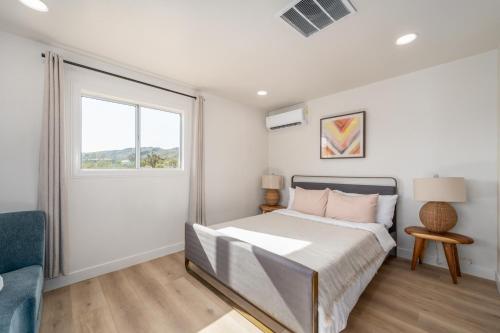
(235, 47)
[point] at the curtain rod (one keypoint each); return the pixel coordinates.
(124, 78)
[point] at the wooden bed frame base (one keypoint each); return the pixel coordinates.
(260, 325)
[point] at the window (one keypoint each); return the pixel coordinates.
(108, 135)
(118, 135)
(160, 138)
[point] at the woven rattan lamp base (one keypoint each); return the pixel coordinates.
(438, 216)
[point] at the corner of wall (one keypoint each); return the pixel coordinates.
(236, 141)
(498, 168)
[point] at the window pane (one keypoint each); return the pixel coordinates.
(160, 139)
(108, 135)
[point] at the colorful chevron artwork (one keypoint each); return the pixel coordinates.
(343, 136)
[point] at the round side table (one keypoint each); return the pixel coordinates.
(449, 241)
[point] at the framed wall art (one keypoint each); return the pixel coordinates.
(343, 136)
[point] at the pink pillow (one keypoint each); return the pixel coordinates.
(362, 208)
(311, 202)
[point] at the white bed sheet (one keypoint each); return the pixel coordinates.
(344, 305)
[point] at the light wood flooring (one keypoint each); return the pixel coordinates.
(159, 296)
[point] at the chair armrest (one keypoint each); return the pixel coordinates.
(22, 240)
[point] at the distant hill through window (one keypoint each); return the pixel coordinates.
(151, 157)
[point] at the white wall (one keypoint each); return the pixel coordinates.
(438, 120)
(21, 96)
(236, 158)
(127, 216)
(118, 221)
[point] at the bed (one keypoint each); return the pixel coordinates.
(305, 272)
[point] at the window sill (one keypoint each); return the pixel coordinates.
(124, 173)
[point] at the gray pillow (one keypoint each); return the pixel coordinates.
(1, 283)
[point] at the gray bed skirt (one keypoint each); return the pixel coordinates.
(283, 289)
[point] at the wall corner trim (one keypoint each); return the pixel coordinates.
(498, 281)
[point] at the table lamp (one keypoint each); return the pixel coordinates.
(437, 215)
(272, 184)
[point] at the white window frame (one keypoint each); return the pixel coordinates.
(77, 147)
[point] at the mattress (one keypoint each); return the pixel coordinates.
(346, 255)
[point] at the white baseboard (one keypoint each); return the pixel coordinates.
(111, 266)
(466, 267)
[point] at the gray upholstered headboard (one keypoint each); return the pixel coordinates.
(361, 185)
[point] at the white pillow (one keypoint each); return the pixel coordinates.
(385, 208)
(291, 196)
(1, 283)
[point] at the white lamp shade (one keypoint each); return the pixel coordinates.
(445, 189)
(272, 182)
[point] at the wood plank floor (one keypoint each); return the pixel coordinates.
(159, 296)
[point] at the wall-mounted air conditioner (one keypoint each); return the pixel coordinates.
(293, 117)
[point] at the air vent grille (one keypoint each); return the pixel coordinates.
(310, 16)
(314, 13)
(286, 125)
(299, 22)
(335, 8)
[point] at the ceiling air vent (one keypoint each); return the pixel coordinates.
(310, 16)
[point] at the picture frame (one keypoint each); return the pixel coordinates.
(343, 136)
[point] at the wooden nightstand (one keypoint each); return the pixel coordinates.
(267, 209)
(449, 240)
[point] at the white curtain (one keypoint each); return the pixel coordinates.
(51, 194)
(197, 188)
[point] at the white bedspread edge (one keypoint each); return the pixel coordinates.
(379, 230)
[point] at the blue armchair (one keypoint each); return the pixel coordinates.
(22, 250)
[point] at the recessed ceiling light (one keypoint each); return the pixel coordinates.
(36, 5)
(262, 93)
(406, 39)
